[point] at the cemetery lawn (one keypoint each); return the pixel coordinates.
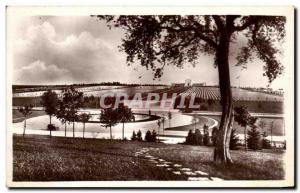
(41, 158)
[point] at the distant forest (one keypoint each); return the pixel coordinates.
(61, 86)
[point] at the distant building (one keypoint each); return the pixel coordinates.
(188, 83)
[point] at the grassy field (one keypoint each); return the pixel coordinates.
(40, 158)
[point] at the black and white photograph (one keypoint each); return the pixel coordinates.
(150, 97)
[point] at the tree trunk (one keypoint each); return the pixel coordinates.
(110, 132)
(65, 129)
(123, 131)
(24, 127)
(245, 138)
(83, 129)
(73, 129)
(50, 117)
(221, 153)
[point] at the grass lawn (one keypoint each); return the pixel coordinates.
(18, 117)
(40, 158)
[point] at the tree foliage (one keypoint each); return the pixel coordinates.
(160, 40)
(50, 102)
(69, 106)
(253, 139)
(109, 117)
(139, 136)
(125, 115)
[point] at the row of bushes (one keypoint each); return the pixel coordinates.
(255, 140)
(149, 137)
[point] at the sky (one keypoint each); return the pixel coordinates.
(81, 49)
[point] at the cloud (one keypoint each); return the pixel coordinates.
(75, 58)
(39, 72)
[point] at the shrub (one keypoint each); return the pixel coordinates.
(151, 137)
(51, 127)
(139, 136)
(133, 137)
(154, 136)
(148, 136)
(253, 139)
(190, 138)
(198, 137)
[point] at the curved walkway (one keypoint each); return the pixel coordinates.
(175, 168)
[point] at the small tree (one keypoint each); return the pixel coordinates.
(158, 124)
(243, 118)
(139, 136)
(133, 137)
(126, 115)
(214, 135)
(72, 100)
(25, 111)
(109, 117)
(61, 114)
(148, 136)
(50, 103)
(163, 120)
(154, 136)
(233, 140)
(253, 138)
(84, 117)
(205, 135)
(169, 117)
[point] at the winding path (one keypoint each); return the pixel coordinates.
(175, 168)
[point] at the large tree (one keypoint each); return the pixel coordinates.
(72, 101)
(160, 40)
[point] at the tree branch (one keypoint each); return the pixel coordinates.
(251, 21)
(198, 31)
(218, 22)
